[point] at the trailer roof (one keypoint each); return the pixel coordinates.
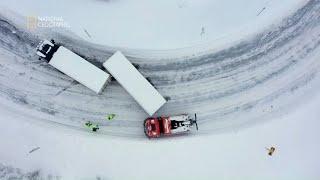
(79, 69)
(134, 83)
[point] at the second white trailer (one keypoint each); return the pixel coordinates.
(134, 83)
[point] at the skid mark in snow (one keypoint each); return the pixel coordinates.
(227, 88)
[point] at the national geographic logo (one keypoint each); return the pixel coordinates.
(32, 22)
(46, 22)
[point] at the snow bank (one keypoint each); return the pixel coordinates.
(152, 24)
(239, 155)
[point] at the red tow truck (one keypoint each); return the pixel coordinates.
(155, 127)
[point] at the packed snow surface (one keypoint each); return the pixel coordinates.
(256, 76)
(249, 81)
(154, 24)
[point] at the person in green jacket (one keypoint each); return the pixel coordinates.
(93, 127)
(110, 116)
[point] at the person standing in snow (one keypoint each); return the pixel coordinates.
(110, 116)
(271, 150)
(202, 31)
(93, 127)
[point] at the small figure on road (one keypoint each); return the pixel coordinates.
(202, 31)
(93, 127)
(271, 150)
(111, 116)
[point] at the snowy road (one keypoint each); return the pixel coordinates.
(228, 88)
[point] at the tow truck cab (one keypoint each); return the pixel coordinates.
(166, 126)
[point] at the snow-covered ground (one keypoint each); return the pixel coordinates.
(240, 154)
(267, 68)
(152, 24)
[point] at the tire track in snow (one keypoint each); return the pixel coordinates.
(218, 86)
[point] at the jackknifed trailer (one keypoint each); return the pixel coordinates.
(134, 83)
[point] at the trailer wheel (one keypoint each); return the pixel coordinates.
(149, 80)
(137, 66)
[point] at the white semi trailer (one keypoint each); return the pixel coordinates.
(73, 65)
(96, 79)
(134, 83)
